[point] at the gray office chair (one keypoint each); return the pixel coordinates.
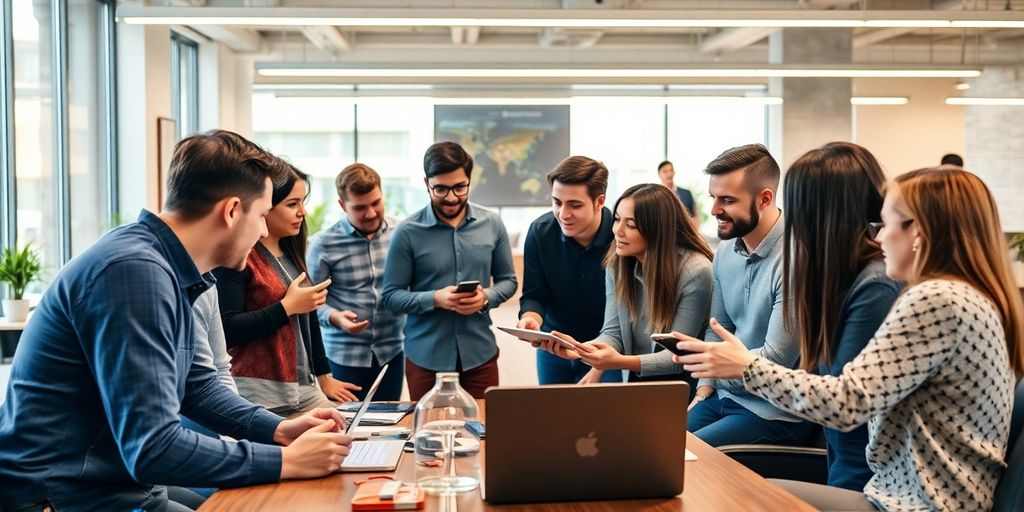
(804, 463)
(1010, 491)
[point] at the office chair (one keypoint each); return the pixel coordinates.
(804, 463)
(1010, 491)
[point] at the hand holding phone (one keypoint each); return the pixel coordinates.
(669, 342)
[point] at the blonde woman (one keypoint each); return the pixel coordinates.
(935, 383)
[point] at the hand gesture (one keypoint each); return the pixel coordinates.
(348, 321)
(303, 299)
(724, 360)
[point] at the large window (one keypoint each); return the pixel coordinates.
(62, 71)
(185, 84)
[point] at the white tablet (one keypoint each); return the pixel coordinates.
(532, 335)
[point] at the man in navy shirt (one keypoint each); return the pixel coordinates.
(563, 271)
(105, 366)
(667, 175)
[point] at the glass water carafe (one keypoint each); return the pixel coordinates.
(447, 455)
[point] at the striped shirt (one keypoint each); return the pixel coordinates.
(355, 265)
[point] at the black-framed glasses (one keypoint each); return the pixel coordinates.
(442, 191)
(874, 228)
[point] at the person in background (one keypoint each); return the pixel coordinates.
(747, 298)
(360, 335)
(268, 311)
(449, 241)
(116, 326)
(835, 290)
(562, 264)
(935, 383)
(667, 175)
(952, 159)
(658, 280)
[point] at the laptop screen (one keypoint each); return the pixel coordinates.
(366, 401)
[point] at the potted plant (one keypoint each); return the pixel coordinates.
(1017, 252)
(18, 268)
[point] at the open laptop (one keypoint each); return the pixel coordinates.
(574, 443)
(371, 455)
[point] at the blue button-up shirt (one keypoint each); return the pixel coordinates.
(355, 265)
(563, 281)
(747, 301)
(427, 255)
(101, 374)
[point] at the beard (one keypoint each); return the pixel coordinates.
(740, 227)
(439, 208)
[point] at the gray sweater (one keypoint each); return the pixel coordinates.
(211, 347)
(693, 301)
(934, 386)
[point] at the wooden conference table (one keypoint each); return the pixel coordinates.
(713, 482)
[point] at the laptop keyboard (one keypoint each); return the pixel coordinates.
(371, 453)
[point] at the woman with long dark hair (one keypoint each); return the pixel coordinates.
(658, 280)
(935, 383)
(835, 290)
(269, 314)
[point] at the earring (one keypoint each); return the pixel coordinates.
(915, 247)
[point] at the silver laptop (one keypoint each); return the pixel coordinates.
(575, 443)
(380, 455)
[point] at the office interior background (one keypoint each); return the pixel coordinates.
(95, 92)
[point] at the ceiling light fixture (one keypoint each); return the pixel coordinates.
(636, 18)
(613, 72)
(879, 100)
(986, 102)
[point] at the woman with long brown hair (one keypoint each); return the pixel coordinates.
(936, 381)
(835, 291)
(658, 280)
(269, 314)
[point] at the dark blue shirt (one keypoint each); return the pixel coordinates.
(863, 309)
(686, 198)
(426, 255)
(563, 281)
(102, 372)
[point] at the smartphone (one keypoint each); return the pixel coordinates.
(477, 429)
(669, 342)
(467, 286)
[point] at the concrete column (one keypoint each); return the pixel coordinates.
(814, 110)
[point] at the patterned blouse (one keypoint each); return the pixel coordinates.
(936, 389)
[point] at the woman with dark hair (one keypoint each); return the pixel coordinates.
(935, 382)
(835, 290)
(658, 280)
(269, 314)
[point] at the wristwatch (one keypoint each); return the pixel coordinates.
(487, 304)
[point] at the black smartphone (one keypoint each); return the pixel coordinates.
(467, 286)
(669, 342)
(477, 429)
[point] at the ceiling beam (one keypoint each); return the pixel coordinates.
(241, 40)
(732, 39)
(328, 39)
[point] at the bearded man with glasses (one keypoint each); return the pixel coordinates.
(448, 242)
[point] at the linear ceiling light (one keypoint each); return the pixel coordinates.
(879, 100)
(993, 102)
(637, 18)
(612, 73)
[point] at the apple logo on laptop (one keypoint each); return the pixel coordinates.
(587, 446)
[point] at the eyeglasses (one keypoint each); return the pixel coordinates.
(874, 228)
(442, 191)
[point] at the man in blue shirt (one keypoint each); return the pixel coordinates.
(443, 244)
(563, 268)
(747, 300)
(105, 366)
(667, 175)
(359, 334)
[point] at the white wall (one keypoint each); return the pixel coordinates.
(911, 136)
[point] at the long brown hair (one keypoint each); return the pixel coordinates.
(962, 238)
(294, 246)
(661, 220)
(831, 194)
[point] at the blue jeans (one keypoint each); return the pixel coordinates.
(721, 422)
(390, 389)
(552, 369)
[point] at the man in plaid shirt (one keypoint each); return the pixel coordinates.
(360, 336)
